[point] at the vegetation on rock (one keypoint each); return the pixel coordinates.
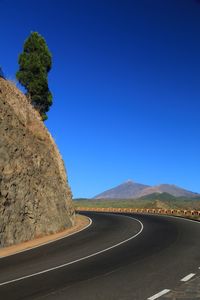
(34, 64)
(1, 73)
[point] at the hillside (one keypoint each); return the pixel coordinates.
(156, 200)
(168, 188)
(35, 198)
(130, 190)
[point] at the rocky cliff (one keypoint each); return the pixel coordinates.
(35, 199)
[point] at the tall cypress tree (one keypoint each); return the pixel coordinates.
(34, 64)
(1, 73)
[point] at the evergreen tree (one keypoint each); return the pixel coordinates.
(34, 64)
(1, 73)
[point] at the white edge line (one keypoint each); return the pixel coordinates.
(49, 242)
(77, 260)
(156, 296)
(164, 215)
(188, 277)
(157, 215)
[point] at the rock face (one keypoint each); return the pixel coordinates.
(35, 199)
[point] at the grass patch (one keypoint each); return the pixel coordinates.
(163, 201)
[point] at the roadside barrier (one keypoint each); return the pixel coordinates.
(176, 212)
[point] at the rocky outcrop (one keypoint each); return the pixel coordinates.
(35, 199)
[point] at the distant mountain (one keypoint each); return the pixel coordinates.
(158, 196)
(168, 188)
(130, 189)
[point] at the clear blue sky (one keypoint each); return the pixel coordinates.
(126, 86)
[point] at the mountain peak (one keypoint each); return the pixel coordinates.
(130, 189)
(129, 181)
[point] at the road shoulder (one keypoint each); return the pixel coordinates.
(80, 223)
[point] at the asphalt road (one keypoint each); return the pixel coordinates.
(117, 257)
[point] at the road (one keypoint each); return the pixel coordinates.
(118, 257)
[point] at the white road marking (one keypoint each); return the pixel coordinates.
(49, 242)
(165, 215)
(77, 260)
(188, 277)
(176, 217)
(156, 296)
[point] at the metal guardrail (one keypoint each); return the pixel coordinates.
(176, 212)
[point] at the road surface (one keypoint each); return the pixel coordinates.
(121, 257)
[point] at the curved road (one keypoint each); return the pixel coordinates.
(118, 257)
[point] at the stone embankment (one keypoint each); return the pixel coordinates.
(35, 198)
